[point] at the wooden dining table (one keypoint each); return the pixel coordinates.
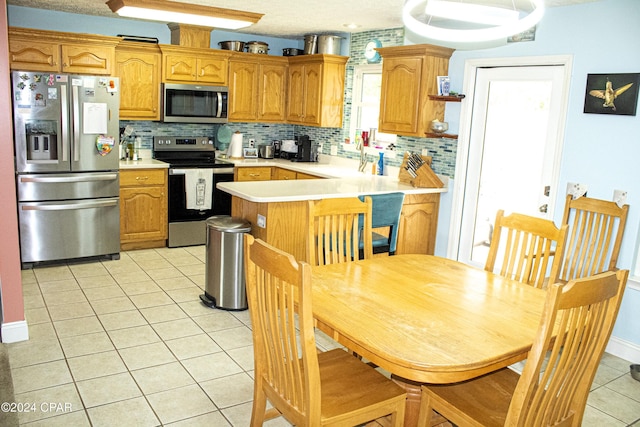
(426, 319)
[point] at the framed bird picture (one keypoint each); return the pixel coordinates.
(612, 94)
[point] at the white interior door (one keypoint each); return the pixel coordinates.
(513, 153)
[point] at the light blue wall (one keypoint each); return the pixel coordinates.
(602, 151)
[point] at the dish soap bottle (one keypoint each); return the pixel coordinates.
(381, 164)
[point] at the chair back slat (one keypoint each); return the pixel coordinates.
(596, 231)
(555, 384)
(526, 249)
(334, 232)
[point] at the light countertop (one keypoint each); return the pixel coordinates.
(312, 189)
(148, 163)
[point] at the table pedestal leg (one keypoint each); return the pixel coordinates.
(412, 410)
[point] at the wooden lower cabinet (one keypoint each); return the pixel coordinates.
(283, 174)
(143, 208)
(418, 224)
(286, 223)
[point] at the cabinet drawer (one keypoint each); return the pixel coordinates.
(141, 177)
(253, 174)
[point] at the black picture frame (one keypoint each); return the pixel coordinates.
(612, 94)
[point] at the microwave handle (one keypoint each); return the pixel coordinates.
(219, 105)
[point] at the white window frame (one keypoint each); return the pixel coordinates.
(356, 102)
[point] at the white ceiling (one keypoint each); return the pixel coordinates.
(287, 18)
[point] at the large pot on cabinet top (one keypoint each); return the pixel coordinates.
(329, 44)
(257, 47)
(234, 45)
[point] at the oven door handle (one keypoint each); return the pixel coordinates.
(216, 171)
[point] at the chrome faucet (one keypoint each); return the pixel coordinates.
(363, 158)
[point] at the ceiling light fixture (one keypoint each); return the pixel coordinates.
(185, 13)
(464, 12)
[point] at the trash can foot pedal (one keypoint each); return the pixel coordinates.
(208, 301)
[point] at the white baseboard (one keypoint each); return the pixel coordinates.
(624, 349)
(15, 331)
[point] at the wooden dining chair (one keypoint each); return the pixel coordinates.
(385, 214)
(555, 395)
(526, 247)
(334, 232)
(596, 228)
(306, 387)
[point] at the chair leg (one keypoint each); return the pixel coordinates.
(426, 411)
(258, 410)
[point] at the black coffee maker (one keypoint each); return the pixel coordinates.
(307, 151)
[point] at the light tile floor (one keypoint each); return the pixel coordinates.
(128, 342)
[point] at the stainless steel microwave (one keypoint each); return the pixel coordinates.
(194, 103)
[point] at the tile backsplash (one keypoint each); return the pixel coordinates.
(442, 150)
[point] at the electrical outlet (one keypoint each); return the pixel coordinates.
(576, 190)
(262, 221)
(620, 197)
(425, 152)
(252, 142)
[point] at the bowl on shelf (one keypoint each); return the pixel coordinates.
(439, 127)
(235, 45)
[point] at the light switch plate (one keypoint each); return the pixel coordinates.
(576, 190)
(334, 150)
(620, 197)
(262, 221)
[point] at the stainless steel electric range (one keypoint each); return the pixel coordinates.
(194, 172)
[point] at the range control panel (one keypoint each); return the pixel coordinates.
(172, 143)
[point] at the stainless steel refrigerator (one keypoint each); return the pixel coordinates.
(66, 150)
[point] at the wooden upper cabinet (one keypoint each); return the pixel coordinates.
(189, 65)
(243, 87)
(53, 51)
(257, 86)
(138, 67)
(316, 90)
(409, 76)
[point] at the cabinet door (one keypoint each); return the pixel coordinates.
(400, 95)
(312, 93)
(295, 104)
(283, 174)
(179, 67)
(212, 70)
(143, 214)
(28, 55)
(243, 85)
(301, 175)
(272, 89)
(139, 74)
(418, 224)
(88, 58)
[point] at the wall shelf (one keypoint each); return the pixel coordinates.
(440, 135)
(451, 98)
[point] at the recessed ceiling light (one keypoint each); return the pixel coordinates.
(352, 26)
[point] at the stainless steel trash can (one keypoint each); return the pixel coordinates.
(224, 277)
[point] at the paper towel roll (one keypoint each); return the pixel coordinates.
(235, 146)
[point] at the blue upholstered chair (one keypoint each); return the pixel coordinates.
(385, 213)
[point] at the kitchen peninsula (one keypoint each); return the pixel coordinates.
(277, 209)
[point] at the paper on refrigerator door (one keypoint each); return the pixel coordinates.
(95, 117)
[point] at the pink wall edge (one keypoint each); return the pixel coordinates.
(10, 277)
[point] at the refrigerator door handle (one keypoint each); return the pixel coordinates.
(58, 179)
(219, 104)
(75, 105)
(65, 122)
(72, 206)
